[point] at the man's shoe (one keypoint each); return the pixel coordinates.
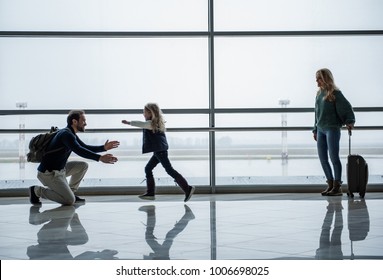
(189, 194)
(33, 198)
(79, 199)
(147, 196)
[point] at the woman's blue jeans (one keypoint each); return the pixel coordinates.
(328, 145)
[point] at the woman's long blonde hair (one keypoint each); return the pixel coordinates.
(329, 84)
(158, 122)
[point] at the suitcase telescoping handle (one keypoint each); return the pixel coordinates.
(349, 141)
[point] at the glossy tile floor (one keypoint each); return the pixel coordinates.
(228, 226)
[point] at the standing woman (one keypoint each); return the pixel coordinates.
(332, 110)
(154, 140)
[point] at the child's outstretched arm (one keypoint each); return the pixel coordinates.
(146, 124)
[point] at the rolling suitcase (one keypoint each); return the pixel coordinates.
(357, 172)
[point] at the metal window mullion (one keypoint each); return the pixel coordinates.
(211, 96)
(213, 226)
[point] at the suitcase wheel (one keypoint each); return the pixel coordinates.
(362, 194)
(350, 194)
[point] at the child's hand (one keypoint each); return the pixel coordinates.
(125, 122)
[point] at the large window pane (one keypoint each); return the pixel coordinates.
(255, 158)
(188, 153)
(249, 72)
(103, 73)
(103, 15)
(245, 15)
(259, 71)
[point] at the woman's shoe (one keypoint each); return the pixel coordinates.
(337, 190)
(329, 188)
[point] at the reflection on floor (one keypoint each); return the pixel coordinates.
(237, 226)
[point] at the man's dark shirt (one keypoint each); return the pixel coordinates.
(65, 142)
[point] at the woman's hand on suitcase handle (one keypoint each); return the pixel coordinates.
(350, 127)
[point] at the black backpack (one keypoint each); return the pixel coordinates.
(38, 145)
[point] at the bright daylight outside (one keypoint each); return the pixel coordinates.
(111, 71)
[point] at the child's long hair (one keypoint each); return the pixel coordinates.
(158, 123)
(328, 79)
